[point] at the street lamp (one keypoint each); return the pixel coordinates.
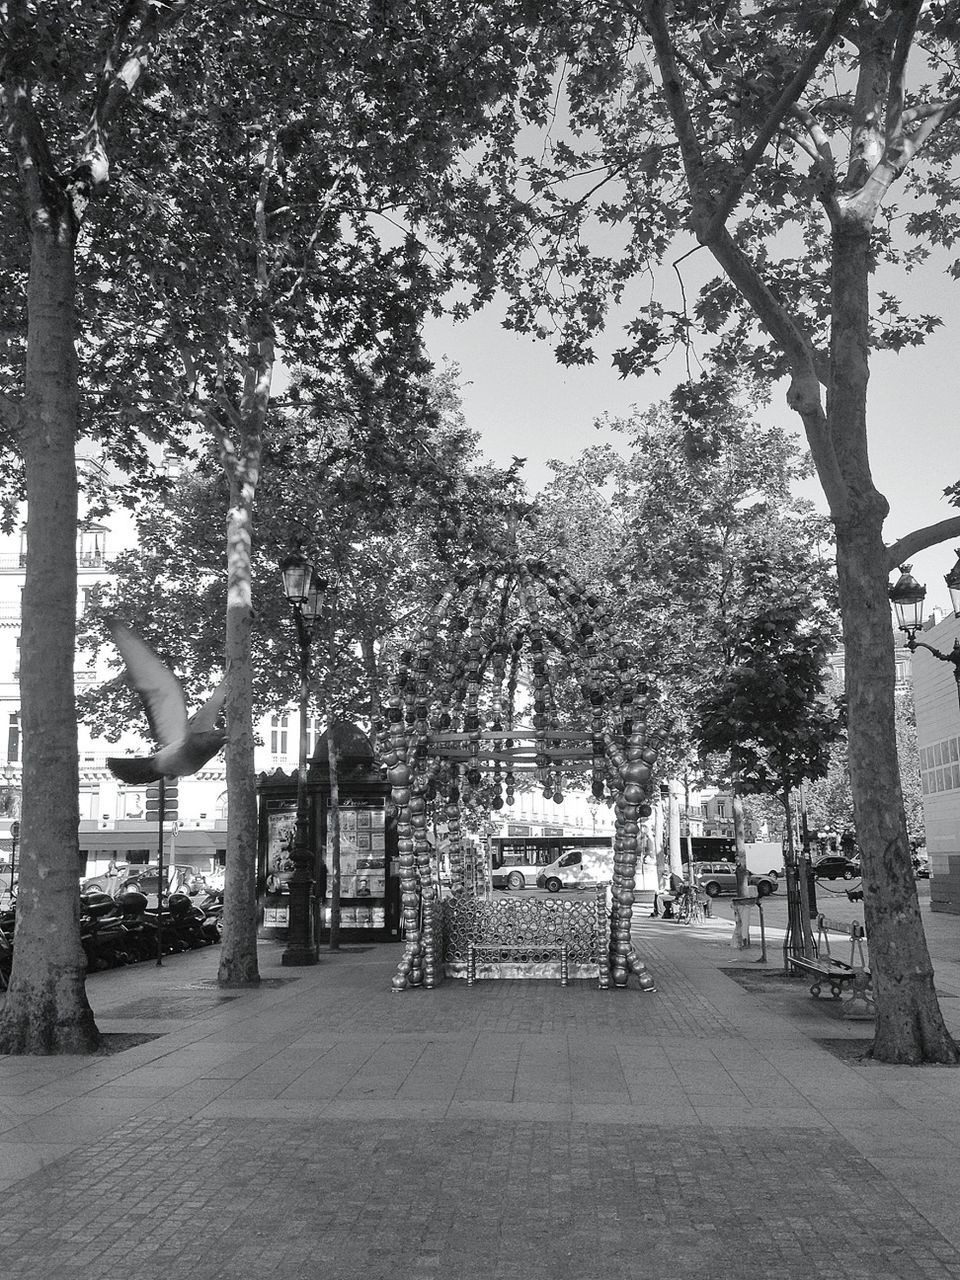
(304, 591)
(907, 595)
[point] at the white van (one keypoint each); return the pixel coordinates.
(578, 869)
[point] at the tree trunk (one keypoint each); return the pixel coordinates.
(741, 914)
(798, 939)
(333, 838)
(910, 1026)
(238, 952)
(372, 670)
(739, 836)
(46, 1009)
(673, 832)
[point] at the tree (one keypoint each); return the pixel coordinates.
(769, 715)
(67, 76)
(772, 135)
(674, 536)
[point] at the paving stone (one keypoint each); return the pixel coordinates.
(323, 1126)
(466, 1199)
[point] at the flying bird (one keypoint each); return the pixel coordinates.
(184, 745)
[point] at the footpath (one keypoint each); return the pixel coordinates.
(324, 1126)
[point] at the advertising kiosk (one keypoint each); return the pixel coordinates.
(369, 884)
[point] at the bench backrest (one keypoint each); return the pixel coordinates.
(847, 928)
(851, 929)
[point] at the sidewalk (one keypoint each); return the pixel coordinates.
(324, 1126)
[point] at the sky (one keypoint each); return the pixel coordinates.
(522, 402)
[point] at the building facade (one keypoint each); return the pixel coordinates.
(936, 695)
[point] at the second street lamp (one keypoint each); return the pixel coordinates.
(907, 595)
(305, 592)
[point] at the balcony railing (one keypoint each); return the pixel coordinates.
(18, 560)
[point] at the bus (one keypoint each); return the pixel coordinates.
(516, 861)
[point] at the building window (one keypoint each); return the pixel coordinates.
(90, 801)
(91, 548)
(278, 735)
(133, 804)
(939, 768)
(13, 738)
(313, 734)
(16, 661)
(220, 811)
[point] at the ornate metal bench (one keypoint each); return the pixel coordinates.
(827, 968)
(503, 950)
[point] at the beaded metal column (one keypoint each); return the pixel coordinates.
(635, 770)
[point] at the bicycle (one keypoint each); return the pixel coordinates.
(689, 905)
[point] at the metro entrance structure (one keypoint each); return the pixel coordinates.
(515, 678)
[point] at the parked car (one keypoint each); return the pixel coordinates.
(834, 866)
(144, 878)
(715, 878)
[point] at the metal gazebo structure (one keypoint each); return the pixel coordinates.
(515, 677)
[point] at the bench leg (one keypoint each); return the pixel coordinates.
(471, 964)
(861, 993)
(563, 966)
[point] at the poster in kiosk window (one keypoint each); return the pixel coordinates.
(363, 866)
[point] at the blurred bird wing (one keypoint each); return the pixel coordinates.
(206, 717)
(156, 684)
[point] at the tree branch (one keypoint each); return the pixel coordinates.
(921, 539)
(933, 120)
(121, 72)
(28, 143)
(782, 108)
(896, 92)
(806, 365)
(655, 21)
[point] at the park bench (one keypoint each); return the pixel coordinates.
(502, 950)
(827, 968)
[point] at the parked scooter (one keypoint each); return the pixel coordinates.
(211, 904)
(141, 933)
(102, 934)
(187, 919)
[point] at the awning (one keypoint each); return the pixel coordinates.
(183, 841)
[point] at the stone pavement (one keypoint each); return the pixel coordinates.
(325, 1126)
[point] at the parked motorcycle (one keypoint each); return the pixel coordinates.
(104, 938)
(211, 904)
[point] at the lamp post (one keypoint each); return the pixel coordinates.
(907, 595)
(304, 591)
